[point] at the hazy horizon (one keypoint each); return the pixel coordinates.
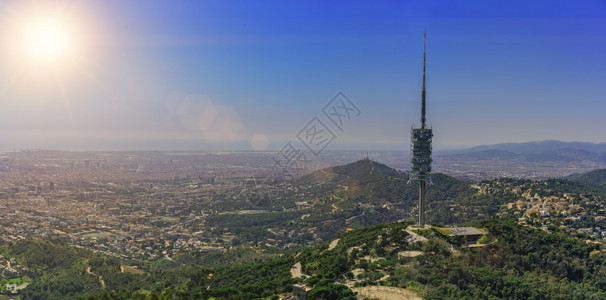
(244, 146)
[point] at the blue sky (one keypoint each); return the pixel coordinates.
(220, 74)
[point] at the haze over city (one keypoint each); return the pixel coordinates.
(301, 150)
(243, 75)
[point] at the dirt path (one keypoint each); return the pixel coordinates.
(100, 277)
(333, 244)
(386, 293)
(410, 253)
(295, 271)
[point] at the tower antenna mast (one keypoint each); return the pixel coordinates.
(423, 90)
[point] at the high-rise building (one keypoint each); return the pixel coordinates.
(420, 153)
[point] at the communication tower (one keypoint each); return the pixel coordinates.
(420, 153)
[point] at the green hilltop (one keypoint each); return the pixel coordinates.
(356, 173)
(369, 183)
(597, 176)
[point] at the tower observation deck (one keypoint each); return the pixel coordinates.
(420, 153)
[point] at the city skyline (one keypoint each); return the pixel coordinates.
(240, 75)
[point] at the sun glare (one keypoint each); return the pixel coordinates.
(44, 40)
(48, 41)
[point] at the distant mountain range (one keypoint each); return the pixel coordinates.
(555, 153)
(533, 147)
(542, 146)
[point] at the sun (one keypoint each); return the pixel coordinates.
(48, 41)
(40, 40)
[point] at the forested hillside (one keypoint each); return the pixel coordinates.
(516, 262)
(594, 177)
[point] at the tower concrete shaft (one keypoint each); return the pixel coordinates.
(422, 198)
